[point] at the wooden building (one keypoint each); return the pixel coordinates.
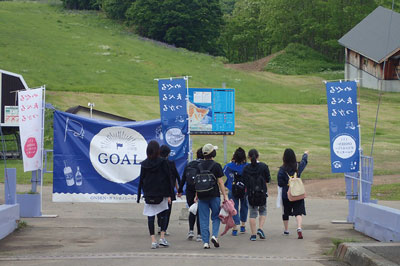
(372, 45)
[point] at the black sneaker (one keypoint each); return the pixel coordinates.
(261, 234)
(214, 240)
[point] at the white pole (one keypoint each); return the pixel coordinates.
(359, 146)
(42, 148)
(190, 155)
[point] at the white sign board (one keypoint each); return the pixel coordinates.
(11, 115)
(30, 104)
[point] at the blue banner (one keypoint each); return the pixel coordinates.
(98, 160)
(343, 126)
(173, 112)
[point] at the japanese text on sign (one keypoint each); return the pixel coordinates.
(343, 129)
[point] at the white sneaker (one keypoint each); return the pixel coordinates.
(206, 246)
(154, 245)
(190, 235)
(215, 241)
(198, 238)
(163, 242)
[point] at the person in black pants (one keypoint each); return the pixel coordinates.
(155, 181)
(191, 195)
(291, 208)
(164, 153)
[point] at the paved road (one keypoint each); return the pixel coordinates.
(117, 234)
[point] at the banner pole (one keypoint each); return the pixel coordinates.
(359, 143)
(42, 148)
(224, 138)
(190, 155)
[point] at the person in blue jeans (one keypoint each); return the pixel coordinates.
(237, 164)
(210, 200)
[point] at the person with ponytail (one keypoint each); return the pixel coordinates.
(256, 175)
(297, 208)
(233, 172)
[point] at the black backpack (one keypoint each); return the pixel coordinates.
(192, 169)
(205, 181)
(238, 186)
(256, 189)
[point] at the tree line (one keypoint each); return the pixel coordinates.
(240, 30)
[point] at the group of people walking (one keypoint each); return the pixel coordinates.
(202, 179)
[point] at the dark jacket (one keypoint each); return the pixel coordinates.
(175, 178)
(192, 164)
(283, 178)
(251, 171)
(155, 179)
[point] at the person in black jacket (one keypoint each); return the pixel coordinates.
(155, 180)
(256, 175)
(164, 153)
(187, 177)
(291, 208)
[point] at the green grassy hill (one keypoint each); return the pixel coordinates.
(83, 51)
(83, 57)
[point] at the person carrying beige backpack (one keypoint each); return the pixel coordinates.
(296, 208)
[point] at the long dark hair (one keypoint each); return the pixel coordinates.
(289, 160)
(253, 155)
(199, 153)
(239, 156)
(153, 150)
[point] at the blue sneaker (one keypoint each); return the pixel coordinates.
(242, 229)
(234, 232)
(253, 237)
(261, 234)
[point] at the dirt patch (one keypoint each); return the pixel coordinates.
(257, 65)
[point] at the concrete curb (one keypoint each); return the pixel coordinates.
(357, 254)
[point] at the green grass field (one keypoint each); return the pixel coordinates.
(386, 192)
(83, 57)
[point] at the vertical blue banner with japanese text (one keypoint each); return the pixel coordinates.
(343, 126)
(173, 112)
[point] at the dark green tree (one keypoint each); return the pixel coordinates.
(116, 9)
(81, 4)
(192, 24)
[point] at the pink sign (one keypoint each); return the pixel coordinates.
(30, 107)
(30, 147)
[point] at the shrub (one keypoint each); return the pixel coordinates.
(299, 59)
(116, 9)
(81, 4)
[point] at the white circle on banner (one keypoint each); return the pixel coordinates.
(344, 146)
(116, 153)
(174, 137)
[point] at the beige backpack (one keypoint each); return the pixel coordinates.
(296, 188)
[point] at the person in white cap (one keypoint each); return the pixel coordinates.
(210, 200)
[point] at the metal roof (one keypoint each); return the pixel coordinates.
(372, 37)
(84, 111)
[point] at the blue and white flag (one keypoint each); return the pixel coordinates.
(98, 160)
(173, 112)
(343, 126)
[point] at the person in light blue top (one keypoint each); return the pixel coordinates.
(237, 190)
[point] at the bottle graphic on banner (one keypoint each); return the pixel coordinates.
(69, 176)
(78, 177)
